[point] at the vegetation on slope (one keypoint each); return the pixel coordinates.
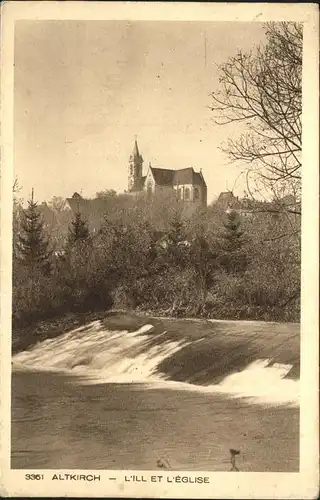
(174, 262)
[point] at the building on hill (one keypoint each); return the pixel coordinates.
(227, 200)
(47, 214)
(189, 185)
(93, 210)
(248, 207)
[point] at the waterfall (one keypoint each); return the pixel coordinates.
(152, 356)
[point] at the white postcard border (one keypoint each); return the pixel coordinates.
(222, 485)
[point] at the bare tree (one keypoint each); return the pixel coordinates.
(16, 187)
(262, 91)
(57, 203)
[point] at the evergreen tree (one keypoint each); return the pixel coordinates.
(233, 257)
(32, 242)
(176, 251)
(233, 235)
(177, 230)
(78, 229)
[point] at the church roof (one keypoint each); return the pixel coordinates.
(168, 177)
(188, 176)
(198, 178)
(163, 176)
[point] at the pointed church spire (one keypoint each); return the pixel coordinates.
(135, 168)
(135, 152)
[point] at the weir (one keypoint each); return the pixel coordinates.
(253, 360)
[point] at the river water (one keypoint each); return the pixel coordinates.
(95, 398)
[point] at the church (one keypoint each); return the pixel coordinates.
(189, 185)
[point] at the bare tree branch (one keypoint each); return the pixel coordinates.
(263, 91)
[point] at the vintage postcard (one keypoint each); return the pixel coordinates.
(159, 250)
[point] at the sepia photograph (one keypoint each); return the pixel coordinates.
(157, 279)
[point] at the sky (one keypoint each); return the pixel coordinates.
(84, 89)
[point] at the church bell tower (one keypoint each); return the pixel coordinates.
(135, 169)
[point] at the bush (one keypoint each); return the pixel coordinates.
(199, 266)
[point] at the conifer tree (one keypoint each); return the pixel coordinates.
(233, 235)
(78, 229)
(176, 231)
(233, 257)
(177, 252)
(33, 245)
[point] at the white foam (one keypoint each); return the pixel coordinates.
(100, 355)
(258, 383)
(97, 355)
(264, 383)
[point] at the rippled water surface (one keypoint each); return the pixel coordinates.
(59, 424)
(124, 392)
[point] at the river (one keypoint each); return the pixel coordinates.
(104, 398)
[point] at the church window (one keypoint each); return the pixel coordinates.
(187, 194)
(196, 193)
(179, 194)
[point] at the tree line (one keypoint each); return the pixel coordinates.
(158, 256)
